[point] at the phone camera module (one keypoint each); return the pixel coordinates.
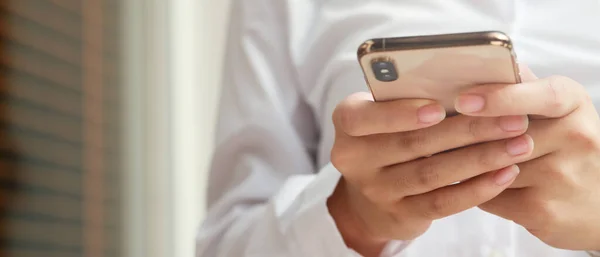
(384, 71)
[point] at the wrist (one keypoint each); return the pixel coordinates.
(351, 227)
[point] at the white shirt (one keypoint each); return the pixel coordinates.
(290, 62)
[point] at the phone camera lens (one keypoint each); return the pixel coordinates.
(382, 64)
(384, 71)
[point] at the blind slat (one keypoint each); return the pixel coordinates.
(10, 251)
(71, 5)
(27, 146)
(52, 126)
(45, 233)
(28, 90)
(40, 176)
(39, 206)
(45, 14)
(29, 63)
(29, 36)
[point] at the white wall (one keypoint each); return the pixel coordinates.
(172, 63)
(198, 35)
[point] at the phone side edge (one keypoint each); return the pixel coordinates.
(364, 49)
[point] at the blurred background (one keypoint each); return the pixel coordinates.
(107, 110)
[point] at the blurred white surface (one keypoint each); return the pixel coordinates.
(196, 61)
(196, 49)
(172, 67)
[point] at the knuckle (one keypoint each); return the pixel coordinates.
(545, 214)
(479, 194)
(558, 171)
(402, 184)
(439, 207)
(504, 96)
(557, 87)
(585, 139)
(345, 117)
(552, 165)
(341, 158)
(414, 141)
(474, 127)
(486, 157)
(427, 174)
(555, 173)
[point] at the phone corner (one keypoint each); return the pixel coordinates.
(365, 48)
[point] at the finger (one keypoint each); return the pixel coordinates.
(454, 132)
(359, 115)
(544, 134)
(428, 174)
(515, 205)
(550, 97)
(526, 73)
(456, 198)
(543, 170)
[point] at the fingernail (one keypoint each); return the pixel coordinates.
(517, 146)
(506, 175)
(431, 113)
(469, 103)
(513, 123)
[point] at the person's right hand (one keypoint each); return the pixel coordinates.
(391, 190)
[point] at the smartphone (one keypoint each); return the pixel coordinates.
(437, 67)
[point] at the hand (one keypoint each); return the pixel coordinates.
(389, 191)
(556, 197)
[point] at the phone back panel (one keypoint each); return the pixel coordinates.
(440, 73)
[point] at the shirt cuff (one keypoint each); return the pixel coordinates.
(313, 230)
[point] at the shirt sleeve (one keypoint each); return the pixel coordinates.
(265, 197)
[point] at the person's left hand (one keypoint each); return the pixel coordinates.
(556, 196)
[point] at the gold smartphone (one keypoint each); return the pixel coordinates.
(437, 67)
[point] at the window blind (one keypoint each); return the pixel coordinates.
(59, 137)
